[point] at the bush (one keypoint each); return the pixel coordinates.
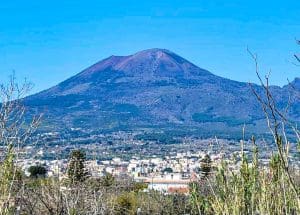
(37, 171)
(126, 204)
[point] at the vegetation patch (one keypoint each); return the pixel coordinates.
(230, 121)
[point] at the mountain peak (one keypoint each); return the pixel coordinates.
(154, 51)
(154, 64)
(122, 62)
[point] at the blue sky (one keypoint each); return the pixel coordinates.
(49, 41)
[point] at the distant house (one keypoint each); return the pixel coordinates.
(169, 183)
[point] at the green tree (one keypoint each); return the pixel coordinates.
(126, 204)
(168, 170)
(139, 186)
(76, 169)
(37, 171)
(108, 180)
(205, 165)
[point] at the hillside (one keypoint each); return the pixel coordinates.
(154, 88)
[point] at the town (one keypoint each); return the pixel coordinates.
(168, 174)
(163, 167)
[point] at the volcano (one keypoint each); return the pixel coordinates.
(155, 89)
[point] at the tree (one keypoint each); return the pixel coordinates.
(16, 127)
(126, 203)
(37, 171)
(205, 165)
(107, 180)
(168, 170)
(76, 169)
(278, 122)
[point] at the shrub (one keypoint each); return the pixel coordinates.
(126, 204)
(37, 171)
